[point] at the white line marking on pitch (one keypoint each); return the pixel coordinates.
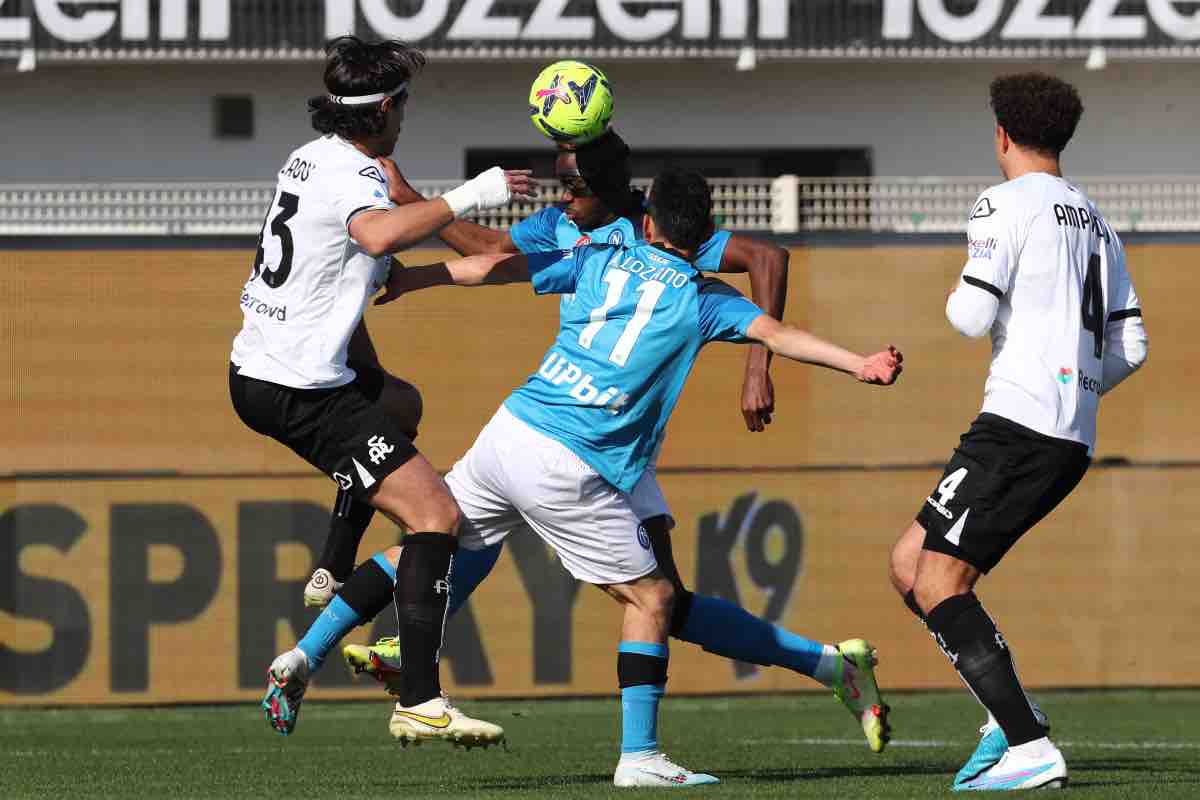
(934, 743)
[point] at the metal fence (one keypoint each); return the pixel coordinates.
(781, 205)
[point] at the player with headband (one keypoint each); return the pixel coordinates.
(303, 370)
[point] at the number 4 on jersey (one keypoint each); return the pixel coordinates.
(1093, 304)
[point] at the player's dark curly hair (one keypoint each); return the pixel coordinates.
(605, 165)
(1037, 111)
(681, 207)
(355, 67)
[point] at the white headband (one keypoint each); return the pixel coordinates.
(364, 99)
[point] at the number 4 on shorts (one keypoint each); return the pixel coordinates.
(949, 486)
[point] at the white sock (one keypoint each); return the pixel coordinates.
(827, 666)
(1038, 748)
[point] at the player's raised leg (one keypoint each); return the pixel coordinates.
(367, 591)
(351, 517)
(727, 630)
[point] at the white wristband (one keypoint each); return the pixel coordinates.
(462, 200)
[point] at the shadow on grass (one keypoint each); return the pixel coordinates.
(1084, 771)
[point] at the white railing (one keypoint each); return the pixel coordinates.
(781, 205)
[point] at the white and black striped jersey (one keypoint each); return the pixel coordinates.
(311, 281)
(1049, 275)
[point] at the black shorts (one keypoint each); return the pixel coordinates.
(1001, 481)
(340, 431)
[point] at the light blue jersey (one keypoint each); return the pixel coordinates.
(551, 229)
(625, 347)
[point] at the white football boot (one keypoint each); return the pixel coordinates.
(321, 588)
(1016, 770)
(438, 719)
(287, 682)
(657, 770)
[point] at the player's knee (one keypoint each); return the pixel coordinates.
(900, 573)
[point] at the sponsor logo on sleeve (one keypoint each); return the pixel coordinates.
(983, 209)
(981, 248)
(373, 173)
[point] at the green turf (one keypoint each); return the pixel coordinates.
(1135, 744)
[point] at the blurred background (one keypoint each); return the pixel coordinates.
(139, 518)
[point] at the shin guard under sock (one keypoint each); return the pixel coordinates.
(422, 596)
(969, 638)
(642, 675)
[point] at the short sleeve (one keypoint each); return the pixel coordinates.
(992, 245)
(355, 192)
(536, 233)
(556, 271)
(708, 257)
(724, 313)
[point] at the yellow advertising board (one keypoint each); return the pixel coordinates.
(152, 590)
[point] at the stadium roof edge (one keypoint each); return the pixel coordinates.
(494, 53)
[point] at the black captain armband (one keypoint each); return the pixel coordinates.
(1126, 313)
(987, 287)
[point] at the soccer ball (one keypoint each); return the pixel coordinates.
(571, 102)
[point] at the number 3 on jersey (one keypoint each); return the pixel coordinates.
(616, 279)
(288, 204)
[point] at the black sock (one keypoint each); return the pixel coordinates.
(975, 647)
(368, 590)
(349, 522)
(910, 600)
(679, 614)
(422, 594)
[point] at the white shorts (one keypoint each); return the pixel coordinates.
(648, 499)
(515, 476)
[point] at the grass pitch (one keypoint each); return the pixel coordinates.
(1120, 744)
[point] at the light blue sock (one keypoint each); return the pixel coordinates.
(639, 703)
(327, 630)
(467, 571)
(727, 630)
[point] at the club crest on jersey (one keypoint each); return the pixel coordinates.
(983, 209)
(344, 481)
(373, 173)
(617, 236)
(643, 537)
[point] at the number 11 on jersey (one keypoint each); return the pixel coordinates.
(650, 292)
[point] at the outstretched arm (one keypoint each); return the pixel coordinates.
(767, 265)
(469, 271)
(467, 238)
(881, 368)
(380, 232)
